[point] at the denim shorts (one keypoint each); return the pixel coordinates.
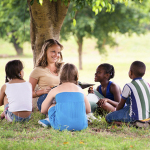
(40, 101)
(121, 115)
(11, 117)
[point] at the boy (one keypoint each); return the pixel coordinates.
(138, 93)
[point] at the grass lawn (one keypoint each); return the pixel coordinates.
(99, 135)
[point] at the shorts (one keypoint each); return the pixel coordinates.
(121, 115)
(11, 117)
(40, 101)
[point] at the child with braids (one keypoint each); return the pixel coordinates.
(108, 89)
(16, 94)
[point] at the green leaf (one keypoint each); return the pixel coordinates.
(74, 22)
(109, 6)
(113, 7)
(103, 4)
(100, 8)
(96, 11)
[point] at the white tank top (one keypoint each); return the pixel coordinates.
(19, 96)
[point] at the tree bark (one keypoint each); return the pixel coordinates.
(46, 22)
(18, 49)
(80, 44)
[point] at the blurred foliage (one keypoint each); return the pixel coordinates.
(124, 19)
(15, 21)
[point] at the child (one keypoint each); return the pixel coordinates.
(16, 94)
(71, 106)
(109, 90)
(138, 91)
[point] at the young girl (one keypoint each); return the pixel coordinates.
(107, 89)
(71, 106)
(16, 94)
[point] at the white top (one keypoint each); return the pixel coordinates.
(19, 96)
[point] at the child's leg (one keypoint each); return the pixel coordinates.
(5, 102)
(93, 99)
(2, 115)
(108, 107)
(120, 116)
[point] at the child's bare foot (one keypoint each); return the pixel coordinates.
(2, 115)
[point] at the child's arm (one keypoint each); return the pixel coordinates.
(116, 91)
(48, 101)
(2, 94)
(87, 105)
(106, 100)
(121, 104)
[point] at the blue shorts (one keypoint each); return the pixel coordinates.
(11, 117)
(40, 101)
(121, 115)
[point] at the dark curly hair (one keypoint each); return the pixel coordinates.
(108, 69)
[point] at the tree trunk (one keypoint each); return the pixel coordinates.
(18, 49)
(80, 43)
(46, 22)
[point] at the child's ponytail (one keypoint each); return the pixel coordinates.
(112, 72)
(6, 79)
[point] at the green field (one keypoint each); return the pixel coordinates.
(108, 137)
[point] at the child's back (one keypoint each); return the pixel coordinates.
(16, 93)
(19, 96)
(139, 98)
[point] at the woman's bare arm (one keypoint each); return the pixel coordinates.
(36, 93)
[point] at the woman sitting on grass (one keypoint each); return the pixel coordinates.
(71, 106)
(16, 94)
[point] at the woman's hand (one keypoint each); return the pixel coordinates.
(90, 90)
(46, 90)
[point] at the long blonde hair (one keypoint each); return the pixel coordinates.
(42, 61)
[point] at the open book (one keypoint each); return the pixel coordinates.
(98, 94)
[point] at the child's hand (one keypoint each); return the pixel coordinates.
(101, 102)
(90, 90)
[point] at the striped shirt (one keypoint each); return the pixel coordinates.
(139, 93)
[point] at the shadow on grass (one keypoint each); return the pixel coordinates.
(14, 56)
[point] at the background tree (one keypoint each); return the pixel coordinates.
(14, 23)
(124, 19)
(47, 17)
(84, 28)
